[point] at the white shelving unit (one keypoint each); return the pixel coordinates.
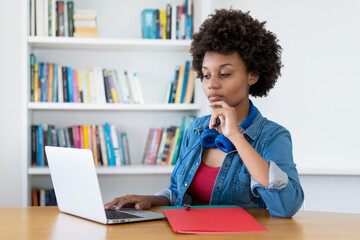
(119, 46)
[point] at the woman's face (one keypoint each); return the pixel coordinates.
(225, 78)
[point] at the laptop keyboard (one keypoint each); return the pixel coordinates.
(112, 214)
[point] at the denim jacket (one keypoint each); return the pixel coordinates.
(234, 184)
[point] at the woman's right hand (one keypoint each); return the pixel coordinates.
(140, 202)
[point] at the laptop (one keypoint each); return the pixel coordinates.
(77, 188)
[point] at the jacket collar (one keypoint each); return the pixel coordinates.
(253, 131)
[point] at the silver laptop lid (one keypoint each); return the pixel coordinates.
(75, 182)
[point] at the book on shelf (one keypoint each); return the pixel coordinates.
(163, 144)
(57, 18)
(84, 23)
(108, 143)
(172, 22)
(182, 86)
(52, 82)
(43, 197)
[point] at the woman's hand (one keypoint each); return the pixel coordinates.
(227, 117)
(140, 202)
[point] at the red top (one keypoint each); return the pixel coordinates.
(202, 185)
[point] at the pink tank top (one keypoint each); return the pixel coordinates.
(202, 184)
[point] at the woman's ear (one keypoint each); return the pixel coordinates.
(253, 78)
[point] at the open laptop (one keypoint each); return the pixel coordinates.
(77, 188)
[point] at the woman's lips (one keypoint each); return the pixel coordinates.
(214, 98)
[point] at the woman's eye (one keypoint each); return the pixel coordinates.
(206, 76)
(225, 75)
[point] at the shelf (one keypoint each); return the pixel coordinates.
(113, 106)
(146, 169)
(109, 44)
(123, 170)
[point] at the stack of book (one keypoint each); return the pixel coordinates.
(181, 88)
(163, 144)
(85, 23)
(51, 82)
(107, 142)
(173, 22)
(43, 197)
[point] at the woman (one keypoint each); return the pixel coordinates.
(235, 155)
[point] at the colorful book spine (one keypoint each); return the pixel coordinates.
(51, 82)
(186, 74)
(55, 77)
(70, 84)
(109, 147)
(74, 85)
(36, 83)
(40, 145)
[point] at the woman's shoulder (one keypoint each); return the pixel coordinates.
(272, 128)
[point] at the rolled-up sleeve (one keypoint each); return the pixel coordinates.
(284, 195)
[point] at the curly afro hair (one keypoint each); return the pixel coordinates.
(229, 31)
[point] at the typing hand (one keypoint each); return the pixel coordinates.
(138, 201)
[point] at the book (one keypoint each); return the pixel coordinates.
(157, 23)
(184, 85)
(168, 20)
(109, 146)
(50, 82)
(40, 145)
(60, 84)
(115, 143)
(189, 94)
(55, 83)
(32, 18)
(121, 148)
(211, 219)
(84, 14)
(84, 23)
(179, 86)
(32, 73)
(69, 84)
(70, 20)
(88, 88)
(111, 85)
(65, 84)
(155, 146)
(170, 132)
(123, 85)
(84, 86)
(34, 147)
(148, 145)
(104, 155)
(60, 22)
(126, 148)
(36, 97)
(90, 32)
(117, 86)
(77, 92)
(39, 18)
(147, 23)
(107, 86)
(35, 198)
(171, 153)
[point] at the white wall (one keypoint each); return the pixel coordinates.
(10, 104)
(317, 98)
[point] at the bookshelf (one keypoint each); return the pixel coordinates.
(119, 46)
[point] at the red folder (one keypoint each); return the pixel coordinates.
(211, 219)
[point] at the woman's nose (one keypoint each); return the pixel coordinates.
(213, 82)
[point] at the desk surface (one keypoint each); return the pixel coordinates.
(48, 223)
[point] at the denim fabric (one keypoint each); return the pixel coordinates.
(234, 185)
